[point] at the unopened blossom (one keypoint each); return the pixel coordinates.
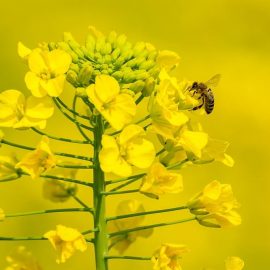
(47, 72)
(20, 259)
(2, 214)
(20, 112)
(168, 256)
(39, 160)
(7, 165)
(215, 206)
(66, 241)
(123, 241)
(160, 181)
(130, 148)
(57, 190)
(234, 263)
(116, 107)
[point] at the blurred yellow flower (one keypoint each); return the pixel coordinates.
(7, 165)
(215, 205)
(66, 241)
(129, 148)
(57, 190)
(116, 107)
(2, 214)
(167, 257)
(159, 181)
(216, 149)
(122, 242)
(19, 112)
(47, 72)
(164, 106)
(234, 263)
(21, 258)
(168, 59)
(39, 160)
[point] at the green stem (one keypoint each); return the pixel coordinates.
(32, 213)
(79, 200)
(65, 179)
(68, 166)
(120, 192)
(137, 176)
(73, 111)
(71, 118)
(101, 239)
(125, 184)
(143, 119)
(151, 226)
(56, 153)
(147, 213)
(60, 138)
(129, 258)
(160, 152)
(174, 166)
(74, 102)
(139, 99)
(8, 178)
(23, 238)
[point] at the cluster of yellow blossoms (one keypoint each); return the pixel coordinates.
(111, 77)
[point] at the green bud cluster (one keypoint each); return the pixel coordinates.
(133, 66)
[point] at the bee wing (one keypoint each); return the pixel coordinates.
(213, 82)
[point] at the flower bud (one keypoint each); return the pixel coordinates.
(85, 75)
(149, 87)
(138, 48)
(90, 43)
(137, 86)
(80, 92)
(72, 78)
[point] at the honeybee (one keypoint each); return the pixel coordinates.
(205, 94)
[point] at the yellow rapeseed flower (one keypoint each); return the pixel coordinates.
(47, 72)
(122, 242)
(234, 263)
(159, 181)
(39, 160)
(215, 206)
(20, 259)
(116, 107)
(2, 214)
(19, 112)
(57, 190)
(66, 241)
(130, 148)
(164, 107)
(167, 257)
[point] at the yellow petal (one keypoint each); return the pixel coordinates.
(168, 59)
(37, 61)
(33, 84)
(23, 51)
(129, 133)
(59, 61)
(141, 153)
(39, 108)
(193, 141)
(53, 87)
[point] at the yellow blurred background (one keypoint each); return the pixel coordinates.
(227, 37)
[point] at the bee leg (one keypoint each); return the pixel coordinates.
(197, 107)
